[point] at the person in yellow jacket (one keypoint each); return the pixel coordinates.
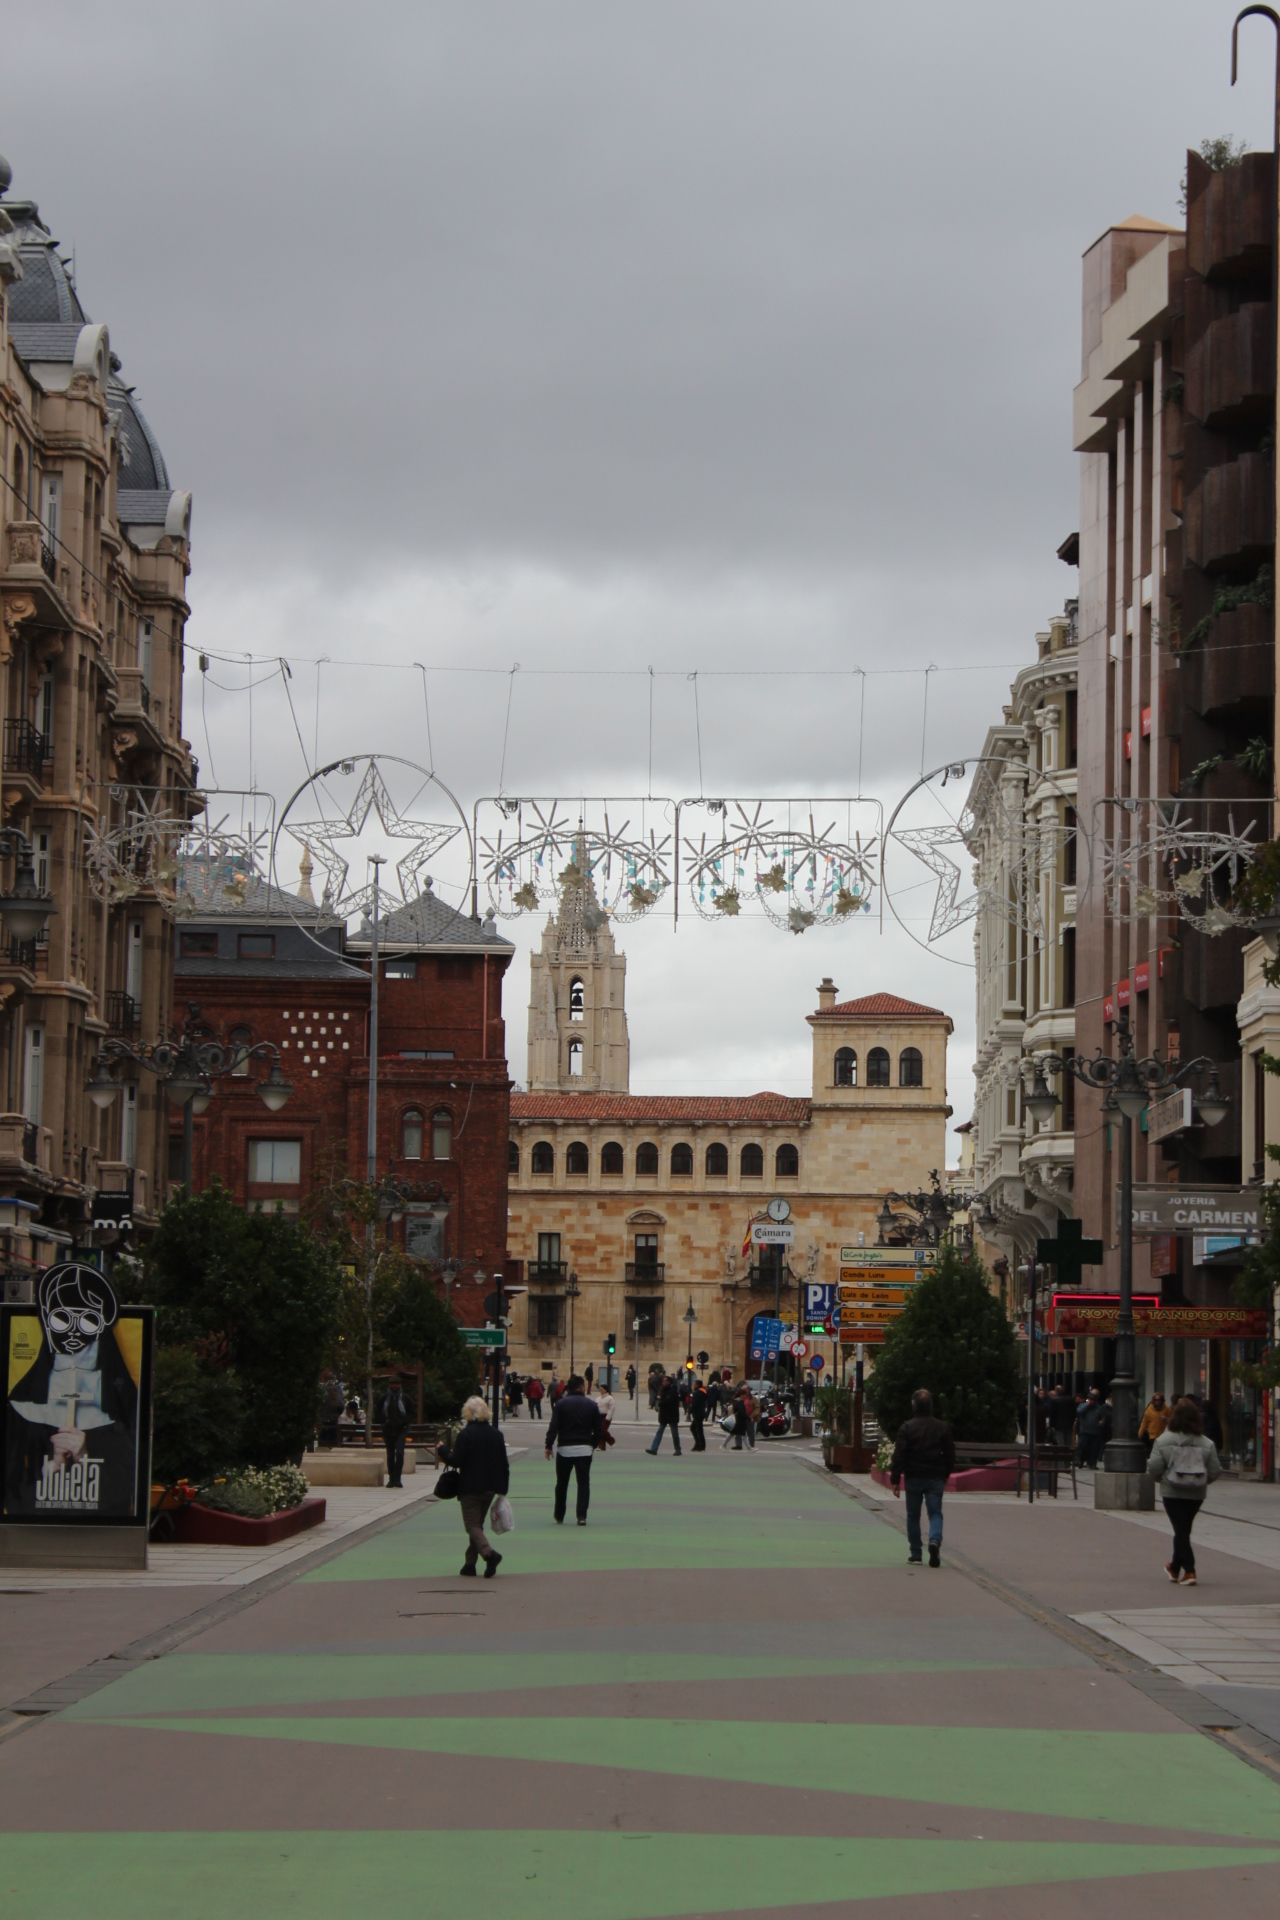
(1153, 1422)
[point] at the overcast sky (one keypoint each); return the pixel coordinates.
(734, 336)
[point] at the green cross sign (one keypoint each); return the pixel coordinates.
(1070, 1253)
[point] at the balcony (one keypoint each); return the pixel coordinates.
(124, 1015)
(546, 1272)
(25, 953)
(1231, 218)
(26, 750)
(1231, 368)
(135, 707)
(1228, 520)
(26, 1151)
(32, 571)
(769, 1279)
(1234, 667)
(644, 1273)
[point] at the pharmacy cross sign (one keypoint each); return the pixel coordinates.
(1070, 1253)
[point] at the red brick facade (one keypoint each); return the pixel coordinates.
(443, 1086)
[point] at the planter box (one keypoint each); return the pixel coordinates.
(1000, 1477)
(842, 1456)
(198, 1526)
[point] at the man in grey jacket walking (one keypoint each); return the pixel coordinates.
(924, 1455)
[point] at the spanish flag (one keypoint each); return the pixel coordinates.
(746, 1238)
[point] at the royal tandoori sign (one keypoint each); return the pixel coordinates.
(1096, 1318)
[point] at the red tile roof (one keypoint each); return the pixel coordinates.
(663, 1110)
(880, 1006)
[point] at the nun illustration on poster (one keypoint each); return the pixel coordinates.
(71, 1439)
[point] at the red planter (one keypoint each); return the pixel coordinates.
(197, 1526)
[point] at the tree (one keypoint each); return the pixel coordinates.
(412, 1322)
(952, 1337)
(254, 1296)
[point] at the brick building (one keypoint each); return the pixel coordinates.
(262, 966)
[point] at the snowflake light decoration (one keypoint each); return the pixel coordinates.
(1157, 855)
(775, 854)
(523, 855)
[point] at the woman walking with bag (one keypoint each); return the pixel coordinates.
(1185, 1463)
(479, 1458)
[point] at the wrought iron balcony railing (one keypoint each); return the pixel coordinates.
(25, 747)
(644, 1273)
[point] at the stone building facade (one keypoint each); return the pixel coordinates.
(1027, 855)
(646, 1201)
(94, 555)
(578, 1039)
(254, 965)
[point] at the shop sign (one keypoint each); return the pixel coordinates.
(1142, 977)
(1097, 1318)
(1124, 993)
(1164, 1255)
(1170, 1115)
(1196, 1209)
(1109, 1008)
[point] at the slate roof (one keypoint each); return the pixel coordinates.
(226, 890)
(142, 508)
(430, 922)
(286, 967)
(664, 1110)
(45, 339)
(45, 291)
(880, 1006)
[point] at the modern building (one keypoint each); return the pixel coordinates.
(1026, 854)
(94, 555)
(631, 1212)
(255, 966)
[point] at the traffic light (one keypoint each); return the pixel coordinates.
(611, 1344)
(688, 1366)
(817, 1326)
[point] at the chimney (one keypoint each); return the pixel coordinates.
(826, 995)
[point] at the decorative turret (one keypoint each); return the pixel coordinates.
(577, 994)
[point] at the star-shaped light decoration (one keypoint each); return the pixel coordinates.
(372, 796)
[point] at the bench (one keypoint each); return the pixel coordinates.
(1051, 1460)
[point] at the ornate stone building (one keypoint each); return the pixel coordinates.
(645, 1202)
(1026, 852)
(94, 554)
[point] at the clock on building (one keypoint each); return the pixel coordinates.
(779, 1210)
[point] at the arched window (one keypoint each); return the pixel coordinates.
(646, 1157)
(575, 1059)
(442, 1134)
(240, 1040)
(577, 1000)
(543, 1158)
(786, 1161)
(717, 1159)
(411, 1136)
(681, 1161)
(846, 1067)
(751, 1163)
(611, 1160)
(877, 1068)
(513, 1157)
(577, 1159)
(911, 1067)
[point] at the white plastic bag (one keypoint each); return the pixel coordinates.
(501, 1518)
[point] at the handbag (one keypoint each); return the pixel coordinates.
(726, 1423)
(449, 1485)
(501, 1518)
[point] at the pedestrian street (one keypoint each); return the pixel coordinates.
(726, 1694)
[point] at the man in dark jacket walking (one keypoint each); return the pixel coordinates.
(396, 1421)
(924, 1455)
(575, 1432)
(697, 1417)
(668, 1413)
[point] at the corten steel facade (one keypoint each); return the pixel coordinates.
(1174, 420)
(267, 969)
(94, 555)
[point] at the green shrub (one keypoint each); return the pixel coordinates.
(198, 1413)
(954, 1338)
(256, 1492)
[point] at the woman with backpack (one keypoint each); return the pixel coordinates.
(1185, 1463)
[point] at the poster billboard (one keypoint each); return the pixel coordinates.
(76, 1442)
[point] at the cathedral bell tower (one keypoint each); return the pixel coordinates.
(577, 995)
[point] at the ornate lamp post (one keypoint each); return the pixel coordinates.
(1128, 1084)
(923, 1218)
(690, 1320)
(186, 1068)
(572, 1292)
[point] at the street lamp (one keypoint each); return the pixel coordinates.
(636, 1325)
(186, 1068)
(691, 1321)
(24, 910)
(923, 1218)
(572, 1292)
(1129, 1084)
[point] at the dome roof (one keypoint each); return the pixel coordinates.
(142, 467)
(45, 292)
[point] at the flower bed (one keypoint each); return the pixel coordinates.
(1000, 1477)
(198, 1525)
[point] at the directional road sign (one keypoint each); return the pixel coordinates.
(482, 1336)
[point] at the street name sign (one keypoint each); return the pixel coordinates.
(1196, 1209)
(888, 1256)
(1170, 1115)
(482, 1336)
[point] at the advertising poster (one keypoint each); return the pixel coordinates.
(77, 1412)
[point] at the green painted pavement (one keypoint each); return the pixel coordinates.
(620, 1876)
(1175, 1780)
(785, 1519)
(186, 1683)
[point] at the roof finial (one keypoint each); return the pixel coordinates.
(6, 176)
(306, 868)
